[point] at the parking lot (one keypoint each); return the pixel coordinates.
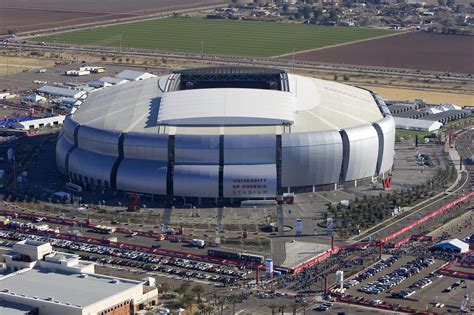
(181, 268)
(408, 281)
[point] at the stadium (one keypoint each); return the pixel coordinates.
(227, 134)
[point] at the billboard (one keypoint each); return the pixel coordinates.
(330, 226)
(299, 227)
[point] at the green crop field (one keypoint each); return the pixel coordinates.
(222, 37)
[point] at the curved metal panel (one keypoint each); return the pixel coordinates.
(62, 147)
(146, 146)
(196, 180)
(387, 126)
(69, 125)
(98, 140)
(311, 158)
(363, 152)
(92, 165)
(249, 149)
(250, 181)
(192, 149)
(142, 176)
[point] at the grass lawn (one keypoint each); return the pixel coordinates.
(222, 37)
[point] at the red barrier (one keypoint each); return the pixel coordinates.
(427, 217)
(433, 214)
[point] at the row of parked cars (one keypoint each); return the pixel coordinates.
(322, 306)
(397, 276)
(370, 272)
(126, 257)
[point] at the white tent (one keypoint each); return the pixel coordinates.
(455, 245)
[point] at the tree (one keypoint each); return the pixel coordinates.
(198, 291)
(165, 287)
(11, 31)
(294, 306)
(187, 301)
(273, 307)
(233, 299)
(183, 288)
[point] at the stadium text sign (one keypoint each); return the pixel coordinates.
(249, 186)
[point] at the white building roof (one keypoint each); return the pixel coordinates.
(77, 290)
(132, 75)
(226, 107)
(454, 244)
(113, 81)
(59, 91)
(418, 124)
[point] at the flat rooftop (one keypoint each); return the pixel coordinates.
(72, 289)
(8, 308)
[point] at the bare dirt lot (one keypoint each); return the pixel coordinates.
(29, 15)
(416, 50)
(431, 97)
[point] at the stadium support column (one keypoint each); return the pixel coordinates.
(68, 153)
(113, 173)
(278, 164)
(170, 168)
(345, 156)
(221, 170)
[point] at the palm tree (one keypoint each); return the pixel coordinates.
(294, 306)
(198, 291)
(165, 287)
(233, 299)
(221, 303)
(208, 309)
(273, 307)
(282, 309)
(305, 305)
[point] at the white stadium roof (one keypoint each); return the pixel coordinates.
(226, 106)
(311, 105)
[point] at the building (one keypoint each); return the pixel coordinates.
(227, 134)
(30, 123)
(454, 245)
(33, 98)
(417, 124)
(106, 82)
(62, 92)
(43, 282)
(132, 75)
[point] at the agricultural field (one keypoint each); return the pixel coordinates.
(415, 50)
(32, 15)
(222, 37)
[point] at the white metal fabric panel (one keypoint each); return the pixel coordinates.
(249, 149)
(226, 106)
(311, 159)
(143, 176)
(388, 128)
(90, 164)
(146, 146)
(68, 128)
(62, 146)
(196, 180)
(191, 149)
(250, 181)
(98, 140)
(363, 152)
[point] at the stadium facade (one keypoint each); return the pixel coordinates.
(227, 133)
